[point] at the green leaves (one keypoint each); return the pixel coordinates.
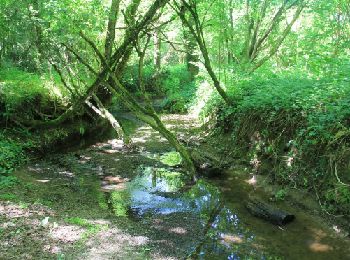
(171, 158)
(11, 155)
(7, 182)
(178, 87)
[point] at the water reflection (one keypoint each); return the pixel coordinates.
(228, 238)
(164, 191)
(156, 191)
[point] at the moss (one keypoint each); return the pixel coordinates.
(171, 158)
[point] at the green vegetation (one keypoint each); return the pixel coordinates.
(6, 182)
(8, 196)
(119, 201)
(28, 96)
(268, 80)
(296, 125)
(91, 229)
(11, 155)
(178, 89)
(285, 105)
(171, 158)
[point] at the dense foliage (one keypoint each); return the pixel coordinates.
(274, 75)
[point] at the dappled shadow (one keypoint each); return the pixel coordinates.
(120, 202)
(26, 232)
(308, 236)
(152, 237)
(114, 244)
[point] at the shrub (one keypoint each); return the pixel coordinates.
(297, 125)
(173, 82)
(178, 88)
(11, 155)
(29, 95)
(130, 78)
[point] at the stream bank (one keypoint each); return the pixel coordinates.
(108, 201)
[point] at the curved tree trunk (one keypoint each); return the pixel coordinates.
(196, 30)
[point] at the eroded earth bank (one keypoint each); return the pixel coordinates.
(106, 200)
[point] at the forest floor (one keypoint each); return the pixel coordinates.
(108, 201)
(60, 206)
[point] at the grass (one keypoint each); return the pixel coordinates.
(8, 196)
(7, 182)
(91, 229)
(26, 92)
(29, 83)
(79, 222)
(25, 96)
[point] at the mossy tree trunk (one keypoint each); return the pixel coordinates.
(192, 58)
(106, 76)
(153, 119)
(195, 28)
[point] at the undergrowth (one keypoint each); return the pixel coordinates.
(25, 95)
(178, 88)
(295, 127)
(11, 154)
(173, 84)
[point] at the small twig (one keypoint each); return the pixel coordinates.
(322, 208)
(336, 176)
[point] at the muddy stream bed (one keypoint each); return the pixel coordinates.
(106, 201)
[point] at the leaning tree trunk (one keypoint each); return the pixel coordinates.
(196, 29)
(104, 113)
(153, 119)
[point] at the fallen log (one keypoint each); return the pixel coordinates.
(269, 213)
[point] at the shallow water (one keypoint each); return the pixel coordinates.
(107, 181)
(233, 233)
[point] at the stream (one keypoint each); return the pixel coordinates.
(144, 208)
